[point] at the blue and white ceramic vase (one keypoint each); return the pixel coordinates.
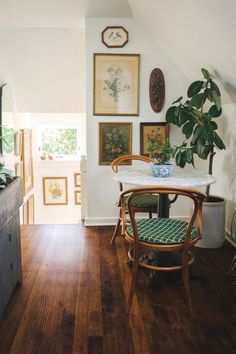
(159, 170)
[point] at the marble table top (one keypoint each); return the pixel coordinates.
(180, 178)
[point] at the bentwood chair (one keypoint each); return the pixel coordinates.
(147, 203)
(161, 235)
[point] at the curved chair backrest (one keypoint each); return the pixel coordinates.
(196, 196)
(124, 158)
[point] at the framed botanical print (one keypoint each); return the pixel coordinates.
(115, 36)
(116, 84)
(77, 181)
(115, 139)
(55, 191)
(28, 180)
(152, 132)
(77, 197)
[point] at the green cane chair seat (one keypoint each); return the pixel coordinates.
(145, 201)
(162, 231)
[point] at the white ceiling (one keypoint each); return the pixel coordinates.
(194, 33)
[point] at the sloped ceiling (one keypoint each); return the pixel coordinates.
(195, 34)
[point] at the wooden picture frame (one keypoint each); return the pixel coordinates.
(18, 143)
(27, 158)
(77, 181)
(115, 36)
(116, 84)
(77, 195)
(115, 139)
(152, 131)
(19, 169)
(55, 191)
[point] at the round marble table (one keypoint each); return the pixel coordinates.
(180, 178)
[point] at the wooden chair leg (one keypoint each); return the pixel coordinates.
(116, 231)
(185, 276)
(133, 282)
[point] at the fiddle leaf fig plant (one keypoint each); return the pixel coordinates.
(198, 116)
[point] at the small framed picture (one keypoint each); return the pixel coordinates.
(18, 143)
(152, 132)
(115, 36)
(116, 84)
(78, 197)
(28, 180)
(77, 182)
(55, 191)
(115, 139)
(19, 169)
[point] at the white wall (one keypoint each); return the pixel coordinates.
(102, 190)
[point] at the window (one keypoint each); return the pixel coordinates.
(7, 140)
(58, 142)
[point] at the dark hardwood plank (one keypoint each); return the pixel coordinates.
(75, 286)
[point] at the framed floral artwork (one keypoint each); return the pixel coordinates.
(115, 139)
(152, 132)
(116, 84)
(55, 191)
(115, 36)
(77, 182)
(28, 180)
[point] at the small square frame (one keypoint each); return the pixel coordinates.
(77, 195)
(152, 131)
(77, 179)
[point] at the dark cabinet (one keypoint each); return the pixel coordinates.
(11, 199)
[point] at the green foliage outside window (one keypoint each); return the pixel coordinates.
(8, 140)
(59, 141)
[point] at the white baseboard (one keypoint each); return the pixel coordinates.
(113, 221)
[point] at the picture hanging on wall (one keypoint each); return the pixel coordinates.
(157, 90)
(77, 197)
(115, 36)
(28, 181)
(152, 132)
(77, 177)
(115, 139)
(55, 191)
(116, 84)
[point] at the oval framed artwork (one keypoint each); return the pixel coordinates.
(157, 90)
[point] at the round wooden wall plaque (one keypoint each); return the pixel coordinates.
(157, 90)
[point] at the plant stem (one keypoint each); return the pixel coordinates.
(212, 154)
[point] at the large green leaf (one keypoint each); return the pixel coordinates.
(214, 112)
(206, 74)
(198, 100)
(197, 133)
(215, 87)
(214, 125)
(171, 114)
(194, 88)
(218, 141)
(178, 100)
(202, 149)
(183, 116)
(188, 129)
(216, 100)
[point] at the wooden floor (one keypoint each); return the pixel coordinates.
(73, 300)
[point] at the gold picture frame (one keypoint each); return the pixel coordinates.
(115, 139)
(116, 84)
(77, 181)
(152, 132)
(77, 195)
(115, 36)
(18, 143)
(55, 191)
(27, 158)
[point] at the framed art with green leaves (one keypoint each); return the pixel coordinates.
(152, 132)
(116, 84)
(115, 139)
